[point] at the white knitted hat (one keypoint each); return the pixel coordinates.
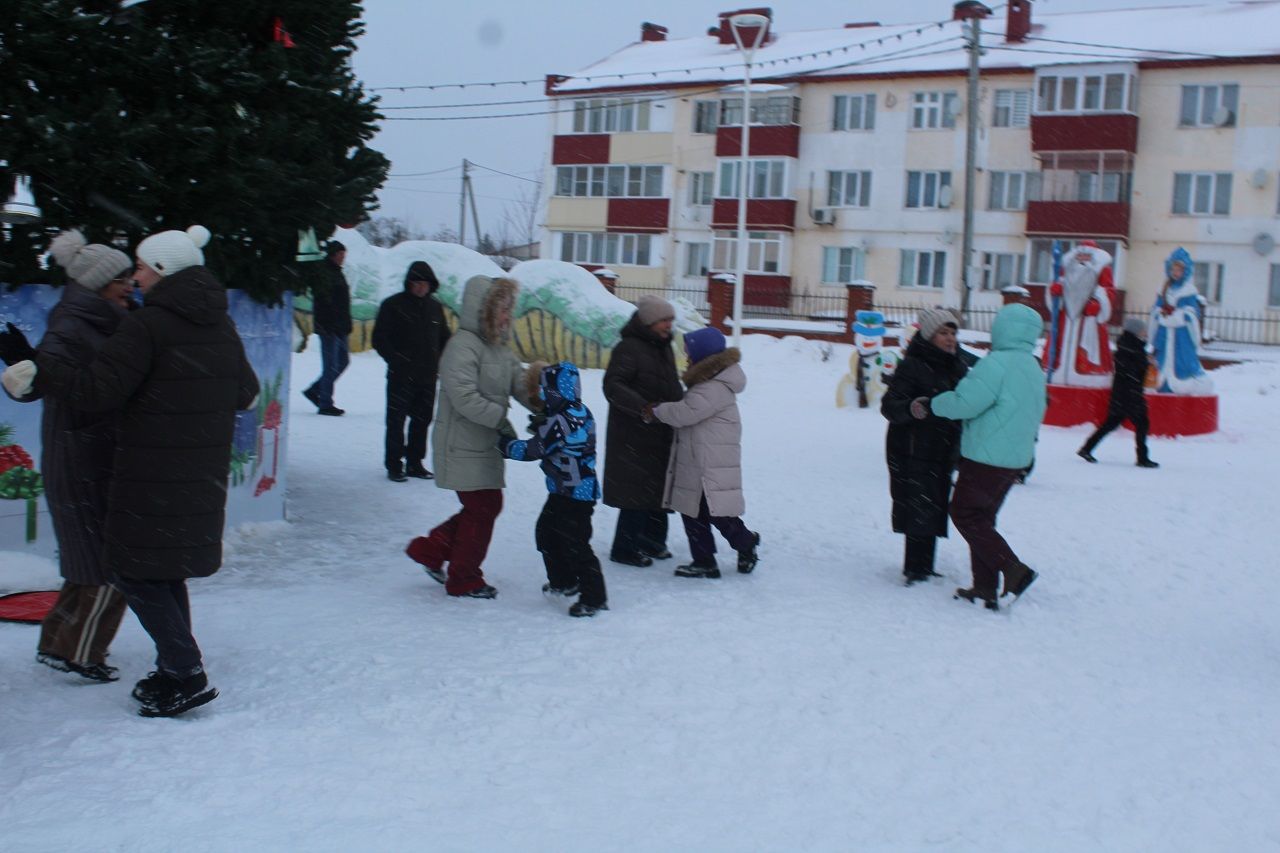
(171, 251)
(91, 265)
(933, 319)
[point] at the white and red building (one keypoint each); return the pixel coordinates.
(1141, 129)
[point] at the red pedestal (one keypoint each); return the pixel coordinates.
(1170, 414)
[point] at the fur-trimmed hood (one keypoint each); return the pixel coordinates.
(713, 365)
(533, 384)
(482, 299)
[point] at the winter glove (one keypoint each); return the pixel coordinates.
(536, 420)
(506, 430)
(646, 413)
(920, 408)
(1092, 308)
(19, 378)
(14, 346)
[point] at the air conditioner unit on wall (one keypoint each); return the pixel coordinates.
(824, 216)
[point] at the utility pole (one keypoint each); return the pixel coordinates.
(462, 203)
(976, 13)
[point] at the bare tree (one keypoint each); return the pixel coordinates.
(444, 234)
(520, 218)
(387, 231)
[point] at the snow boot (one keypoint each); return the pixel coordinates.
(637, 559)
(53, 661)
(156, 683)
(581, 609)
(747, 559)
(179, 695)
(95, 671)
(1086, 454)
(485, 591)
(1147, 463)
(913, 578)
(1023, 576)
(694, 570)
(418, 472)
(656, 554)
(557, 591)
(397, 475)
(417, 551)
(973, 597)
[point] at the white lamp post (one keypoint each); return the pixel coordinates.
(758, 24)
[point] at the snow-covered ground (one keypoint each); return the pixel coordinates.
(1128, 703)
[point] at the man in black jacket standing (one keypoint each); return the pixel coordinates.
(1128, 400)
(331, 315)
(410, 333)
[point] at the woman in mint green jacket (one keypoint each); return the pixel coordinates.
(1001, 402)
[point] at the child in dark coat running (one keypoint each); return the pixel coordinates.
(565, 440)
(1127, 397)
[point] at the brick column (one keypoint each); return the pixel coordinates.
(858, 297)
(720, 303)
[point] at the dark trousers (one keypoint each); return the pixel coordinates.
(1115, 417)
(462, 541)
(563, 536)
(702, 545)
(640, 531)
(980, 491)
(917, 560)
(412, 401)
(82, 623)
(164, 610)
(333, 360)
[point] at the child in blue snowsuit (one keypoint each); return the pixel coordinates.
(565, 440)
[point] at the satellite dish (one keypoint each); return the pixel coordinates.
(1259, 178)
(1222, 117)
(1264, 243)
(945, 196)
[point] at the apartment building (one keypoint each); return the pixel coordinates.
(1141, 129)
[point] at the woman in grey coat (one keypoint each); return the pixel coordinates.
(704, 476)
(75, 458)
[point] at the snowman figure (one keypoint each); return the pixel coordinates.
(871, 366)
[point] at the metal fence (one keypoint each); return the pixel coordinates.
(1233, 327)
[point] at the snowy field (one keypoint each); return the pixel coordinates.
(1128, 703)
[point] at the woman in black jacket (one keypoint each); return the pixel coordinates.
(410, 333)
(1128, 400)
(921, 448)
(642, 370)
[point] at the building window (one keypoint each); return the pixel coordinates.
(697, 259)
(843, 265)
(1012, 190)
(1085, 93)
(922, 269)
(1273, 293)
(609, 181)
(1013, 108)
(1202, 193)
(764, 252)
(849, 189)
(776, 109)
(1002, 269)
(596, 247)
(854, 112)
(1199, 103)
(926, 189)
(931, 110)
(1040, 267)
(610, 115)
(700, 188)
(706, 116)
(1207, 276)
(768, 179)
(1095, 176)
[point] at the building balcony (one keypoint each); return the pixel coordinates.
(763, 214)
(638, 214)
(767, 140)
(1091, 132)
(1104, 219)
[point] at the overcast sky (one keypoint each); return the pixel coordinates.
(409, 42)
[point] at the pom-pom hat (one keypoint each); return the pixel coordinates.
(91, 265)
(931, 320)
(171, 251)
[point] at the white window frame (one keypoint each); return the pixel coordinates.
(934, 110)
(1204, 193)
(611, 115)
(929, 185)
(1273, 291)
(1066, 176)
(843, 265)
(706, 116)
(1012, 108)
(771, 174)
(1087, 90)
(701, 188)
(614, 180)
(849, 188)
(1002, 269)
(609, 248)
(697, 259)
(766, 252)
(1199, 102)
(853, 112)
(1208, 277)
(922, 264)
(765, 110)
(1012, 190)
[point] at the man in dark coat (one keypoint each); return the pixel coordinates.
(922, 449)
(642, 370)
(75, 459)
(331, 315)
(176, 373)
(1127, 397)
(410, 333)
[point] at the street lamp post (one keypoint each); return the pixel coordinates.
(757, 25)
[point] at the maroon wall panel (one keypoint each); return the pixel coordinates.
(771, 140)
(572, 148)
(1078, 218)
(638, 214)
(1105, 132)
(773, 214)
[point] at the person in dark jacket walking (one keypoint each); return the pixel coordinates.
(1128, 401)
(75, 458)
(922, 449)
(565, 440)
(176, 373)
(331, 315)
(642, 369)
(410, 333)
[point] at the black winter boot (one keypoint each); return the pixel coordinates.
(179, 696)
(694, 570)
(973, 597)
(747, 559)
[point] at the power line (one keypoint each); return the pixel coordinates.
(1080, 53)
(1125, 47)
(420, 174)
(500, 172)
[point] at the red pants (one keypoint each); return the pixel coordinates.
(980, 492)
(462, 541)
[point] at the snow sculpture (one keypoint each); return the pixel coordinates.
(1174, 330)
(1082, 349)
(871, 366)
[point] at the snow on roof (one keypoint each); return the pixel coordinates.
(1211, 31)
